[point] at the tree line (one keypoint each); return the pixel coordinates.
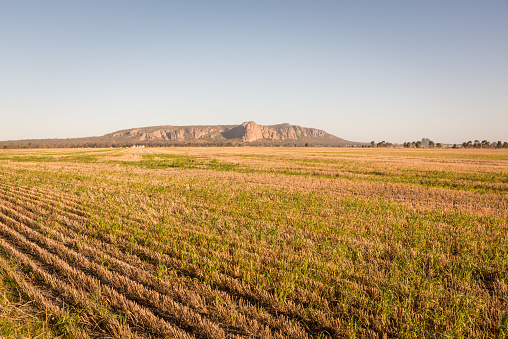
(427, 143)
(483, 144)
(419, 144)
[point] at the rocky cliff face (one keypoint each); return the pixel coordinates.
(173, 133)
(247, 132)
(253, 132)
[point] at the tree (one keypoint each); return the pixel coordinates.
(372, 144)
(454, 146)
(431, 143)
(485, 144)
(306, 144)
(499, 144)
(505, 144)
(418, 144)
(439, 145)
(477, 144)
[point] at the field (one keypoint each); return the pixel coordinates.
(254, 243)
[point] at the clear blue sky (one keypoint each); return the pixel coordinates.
(362, 70)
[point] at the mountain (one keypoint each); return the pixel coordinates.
(248, 133)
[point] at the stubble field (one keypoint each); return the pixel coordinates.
(254, 242)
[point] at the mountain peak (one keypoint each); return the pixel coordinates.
(247, 132)
(249, 123)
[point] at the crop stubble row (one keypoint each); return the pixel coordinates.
(293, 307)
(144, 251)
(120, 266)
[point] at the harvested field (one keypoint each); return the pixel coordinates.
(254, 242)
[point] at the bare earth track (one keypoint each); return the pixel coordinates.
(267, 243)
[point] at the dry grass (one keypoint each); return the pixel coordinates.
(263, 242)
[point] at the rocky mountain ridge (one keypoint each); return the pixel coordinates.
(248, 133)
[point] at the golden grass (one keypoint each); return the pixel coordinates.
(263, 242)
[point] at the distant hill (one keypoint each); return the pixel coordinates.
(248, 133)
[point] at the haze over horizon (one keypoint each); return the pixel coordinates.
(393, 70)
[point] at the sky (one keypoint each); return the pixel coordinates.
(361, 70)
